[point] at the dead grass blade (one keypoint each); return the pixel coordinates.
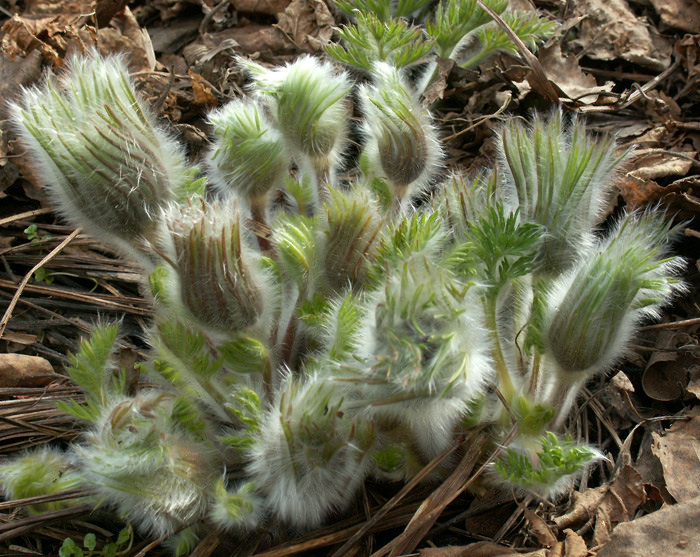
(53, 253)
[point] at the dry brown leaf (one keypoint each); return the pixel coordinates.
(681, 14)
(574, 546)
(615, 396)
(249, 39)
(272, 7)
(638, 193)
(669, 532)
(565, 72)
(650, 164)
(539, 528)
(610, 30)
(127, 36)
(478, 549)
(622, 499)
(20, 370)
(607, 505)
(201, 90)
(678, 450)
(308, 24)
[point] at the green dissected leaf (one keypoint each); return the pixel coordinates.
(419, 233)
(455, 18)
(528, 26)
(371, 39)
(245, 355)
(183, 358)
(500, 248)
(532, 417)
(92, 370)
(246, 406)
(295, 238)
(557, 458)
(342, 323)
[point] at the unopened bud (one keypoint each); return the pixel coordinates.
(401, 145)
(108, 166)
(221, 281)
(352, 227)
(248, 155)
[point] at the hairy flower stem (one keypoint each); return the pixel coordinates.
(535, 374)
(258, 212)
(323, 175)
(504, 380)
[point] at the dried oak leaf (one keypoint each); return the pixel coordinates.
(681, 14)
(678, 450)
(127, 36)
(308, 24)
(566, 73)
(669, 532)
(607, 505)
(610, 30)
(651, 164)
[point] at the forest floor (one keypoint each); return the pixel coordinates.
(630, 68)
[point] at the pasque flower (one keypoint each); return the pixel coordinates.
(108, 166)
(218, 275)
(401, 144)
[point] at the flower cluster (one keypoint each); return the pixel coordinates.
(367, 332)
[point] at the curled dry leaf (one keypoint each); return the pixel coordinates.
(539, 528)
(607, 505)
(308, 24)
(651, 164)
(610, 30)
(126, 35)
(678, 450)
(566, 73)
(671, 532)
(681, 14)
(574, 545)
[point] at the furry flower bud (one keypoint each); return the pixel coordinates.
(351, 226)
(138, 459)
(311, 455)
(108, 166)
(43, 471)
(594, 309)
(560, 177)
(401, 145)
(248, 154)
(220, 279)
(307, 103)
(427, 357)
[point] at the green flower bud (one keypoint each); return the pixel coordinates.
(594, 309)
(311, 455)
(108, 166)
(139, 461)
(43, 471)
(221, 281)
(307, 101)
(351, 227)
(402, 144)
(248, 155)
(561, 178)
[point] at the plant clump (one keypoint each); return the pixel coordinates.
(368, 332)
